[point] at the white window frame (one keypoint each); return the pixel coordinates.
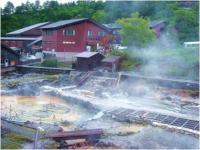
(69, 32)
(89, 33)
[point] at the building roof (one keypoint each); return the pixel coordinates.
(86, 54)
(20, 38)
(15, 48)
(113, 26)
(27, 28)
(62, 23)
(111, 59)
(4, 47)
(155, 23)
(34, 42)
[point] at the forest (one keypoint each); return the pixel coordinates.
(183, 16)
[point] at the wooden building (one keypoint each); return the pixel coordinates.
(88, 60)
(158, 26)
(111, 63)
(8, 56)
(114, 28)
(21, 38)
(67, 38)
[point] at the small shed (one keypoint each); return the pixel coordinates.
(8, 56)
(88, 60)
(111, 63)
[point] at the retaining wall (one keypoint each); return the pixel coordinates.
(170, 83)
(35, 69)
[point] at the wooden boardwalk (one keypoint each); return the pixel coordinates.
(78, 134)
(36, 69)
(83, 77)
(8, 69)
(131, 115)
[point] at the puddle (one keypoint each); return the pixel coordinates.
(44, 108)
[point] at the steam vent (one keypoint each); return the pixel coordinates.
(100, 74)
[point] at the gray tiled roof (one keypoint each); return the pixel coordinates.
(62, 23)
(37, 40)
(27, 28)
(86, 54)
(111, 59)
(6, 48)
(20, 38)
(113, 26)
(155, 23)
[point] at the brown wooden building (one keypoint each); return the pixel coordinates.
(88, 60)
(8, 57)
(22, 38)
(111, 63)
(158, 26)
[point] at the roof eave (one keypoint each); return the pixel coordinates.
(64, 24)
(86, 19)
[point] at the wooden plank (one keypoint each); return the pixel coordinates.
(75, 141)
(78, 133)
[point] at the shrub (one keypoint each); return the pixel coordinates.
(120, 53)
(129, 61)
(50, 63)
(127, 65)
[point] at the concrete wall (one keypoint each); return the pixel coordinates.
(25, 69)
(170, 83)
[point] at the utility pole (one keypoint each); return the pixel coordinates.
(10, 112)
(36, 136)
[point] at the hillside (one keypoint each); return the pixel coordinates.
(182, 16)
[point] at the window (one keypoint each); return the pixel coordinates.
(48, 32)
(101, 34)
(69, 32)
(89, 33)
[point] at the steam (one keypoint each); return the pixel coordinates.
(167, 58)
(97, 116)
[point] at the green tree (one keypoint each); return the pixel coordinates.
(9, 8)
(37, 5)
(99, 16)
(135, 31)
(50, 4)
(187, 24)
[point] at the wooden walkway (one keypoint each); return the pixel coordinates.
(83, 77)
(36, 69)
(131, 115)
(7, 69)
(78, 134)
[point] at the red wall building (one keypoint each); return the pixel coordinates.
(21, 38)
(29, 31)
(68, 37)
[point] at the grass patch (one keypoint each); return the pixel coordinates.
(51, 77)
(13, 140)
(50, 63)
(65, 64)
(58, 64)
